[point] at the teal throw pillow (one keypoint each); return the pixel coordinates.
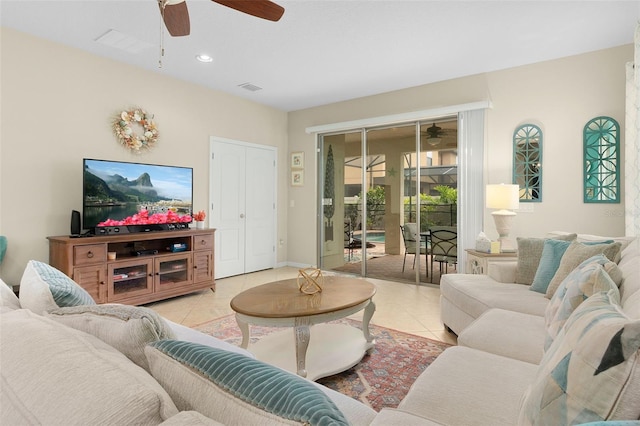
(552, 252)
(529, 253)
(550, 260)
(202, 378)
(577, 253)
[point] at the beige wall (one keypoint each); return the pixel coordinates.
(57, 105)
(560, 96)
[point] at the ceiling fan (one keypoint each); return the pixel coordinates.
(176, 15)
(435, 134)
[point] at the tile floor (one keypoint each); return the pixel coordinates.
(405, 307)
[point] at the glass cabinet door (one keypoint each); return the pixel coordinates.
(130, 278)
(173, 271)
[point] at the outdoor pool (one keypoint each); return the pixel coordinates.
(372, 236)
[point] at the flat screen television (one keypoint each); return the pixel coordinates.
(139, 196)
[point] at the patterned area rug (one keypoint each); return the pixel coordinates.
(381, 379)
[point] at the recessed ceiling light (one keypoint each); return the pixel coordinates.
(204, 58)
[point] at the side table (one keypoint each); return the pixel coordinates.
(478, 261)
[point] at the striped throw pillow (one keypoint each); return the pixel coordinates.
(43, 288)
(205, 379)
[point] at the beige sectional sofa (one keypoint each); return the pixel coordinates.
(65, 360)
(500, 366)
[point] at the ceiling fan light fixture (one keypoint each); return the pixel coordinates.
(204, 58)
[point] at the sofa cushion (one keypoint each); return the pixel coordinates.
(577, 253)
(354, 410)
(235, 389)
(475, 294)
(43, 287)
(506, 333)
(394, 417)
(629, 265)
(8, 298)
(529, 253)
(584, 238)
(188, 334)
(592, 276)
(632, 307)
(55, 375)
(465, 386)
(190, 418)
(127, 328)
(590, 372)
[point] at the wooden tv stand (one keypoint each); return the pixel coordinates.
(145, 268)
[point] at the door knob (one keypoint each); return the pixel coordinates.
(241, 215)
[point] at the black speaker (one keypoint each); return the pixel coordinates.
(76, 227)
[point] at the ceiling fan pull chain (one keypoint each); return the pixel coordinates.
(161, 53)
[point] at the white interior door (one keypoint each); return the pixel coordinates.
(243, 207)
(260, 209)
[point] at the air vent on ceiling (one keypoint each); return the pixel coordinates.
(250, 87)
(123, 41)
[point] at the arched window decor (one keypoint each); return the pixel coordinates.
(602, 161)
(527, 162)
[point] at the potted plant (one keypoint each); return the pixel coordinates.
(199, 218)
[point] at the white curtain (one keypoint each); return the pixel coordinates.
(470, 180)
(632, 142)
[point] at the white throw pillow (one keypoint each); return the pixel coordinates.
(8, 298)
(577, 253)
(594, 275)
(127, 328)
(43, 288)
(55, 375)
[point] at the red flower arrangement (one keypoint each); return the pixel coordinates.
(143, 218)
(199, 217)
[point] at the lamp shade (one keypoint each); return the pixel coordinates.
(503, 197)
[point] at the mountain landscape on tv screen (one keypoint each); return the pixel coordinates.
(120, 193)
(118, 188)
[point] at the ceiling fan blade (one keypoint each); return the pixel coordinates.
(264, 9)
(176, 18)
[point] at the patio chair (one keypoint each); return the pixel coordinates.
(444, 247)
(410, 235)
(349, 242)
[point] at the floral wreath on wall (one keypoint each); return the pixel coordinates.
(137, 117)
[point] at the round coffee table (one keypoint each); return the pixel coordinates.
(311, 352)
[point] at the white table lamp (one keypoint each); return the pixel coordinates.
(504, 198)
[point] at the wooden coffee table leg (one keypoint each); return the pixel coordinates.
(368, 313)
(303, 335)
(244, 327)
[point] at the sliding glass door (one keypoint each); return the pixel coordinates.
(340, 193)
(375, 181)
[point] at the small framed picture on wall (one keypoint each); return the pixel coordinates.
(297, 160)
(297, 177)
